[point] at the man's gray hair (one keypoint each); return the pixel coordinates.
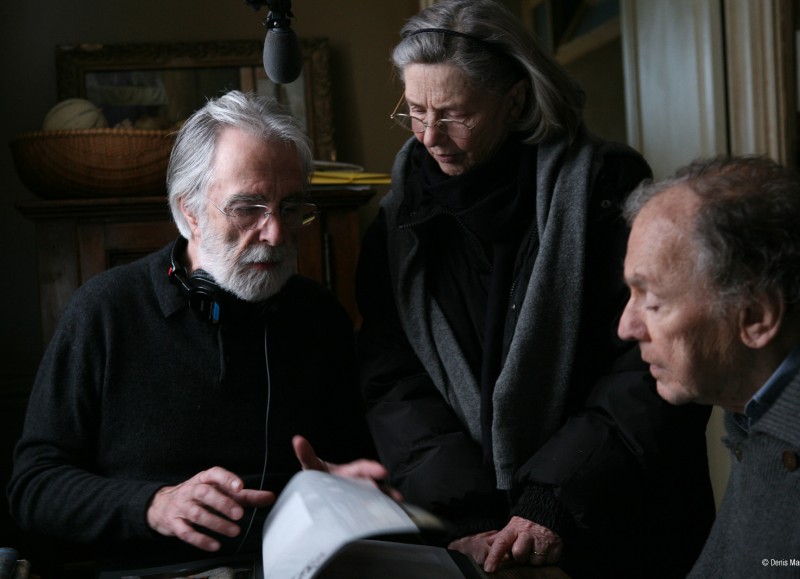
(497, 52)
(191, 163)
(747, 227)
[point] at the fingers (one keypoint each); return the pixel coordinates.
(525, 542)
(365, 469)
(476, 546)
(254, 498)
(499, 549)
(215, 489)
(190, 535)
(220, 477)
(370, 471)
(306, 455)
(361, 468)
(545, 553)
(536, 551)
(213, 500)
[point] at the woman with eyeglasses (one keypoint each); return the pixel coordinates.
(490, 285)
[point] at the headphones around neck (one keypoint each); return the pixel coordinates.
(205, 296)
(205, 299)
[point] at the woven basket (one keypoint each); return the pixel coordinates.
(93, 162)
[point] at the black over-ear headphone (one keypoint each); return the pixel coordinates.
(205, 296)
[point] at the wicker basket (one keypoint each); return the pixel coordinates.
(93, 162)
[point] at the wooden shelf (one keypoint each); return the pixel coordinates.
(79, 238)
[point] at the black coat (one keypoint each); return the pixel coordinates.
(624, 479)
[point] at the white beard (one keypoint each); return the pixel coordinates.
(234, 274)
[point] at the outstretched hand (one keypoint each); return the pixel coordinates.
(363, 469)
(213, 499)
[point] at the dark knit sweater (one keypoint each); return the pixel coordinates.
(756, 533)
(136, 392)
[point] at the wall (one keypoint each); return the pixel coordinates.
(674, 77)
(361, 35)
(600, 74)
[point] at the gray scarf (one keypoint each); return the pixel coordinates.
(531, 391)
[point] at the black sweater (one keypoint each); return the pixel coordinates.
(136, 392)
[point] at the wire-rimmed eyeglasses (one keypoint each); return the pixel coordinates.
(293, 214)
(449, 127)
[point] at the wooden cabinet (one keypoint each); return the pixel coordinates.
(78, 238)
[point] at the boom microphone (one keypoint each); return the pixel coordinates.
(283, 55)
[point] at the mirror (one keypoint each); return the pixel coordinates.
(158, 85)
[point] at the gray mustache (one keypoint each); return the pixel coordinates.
(263, 253)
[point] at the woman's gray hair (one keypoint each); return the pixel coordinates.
(191, 163)
(747, 227)
(499, 53)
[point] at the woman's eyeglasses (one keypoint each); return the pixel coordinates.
(449, 127)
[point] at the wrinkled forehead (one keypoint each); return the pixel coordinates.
(439, 86)
(661, 243)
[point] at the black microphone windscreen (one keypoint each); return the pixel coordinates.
(283, 55)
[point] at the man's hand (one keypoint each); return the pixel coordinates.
(364, 469)
(526, 542)
(212, 499)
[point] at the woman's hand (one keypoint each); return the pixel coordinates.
(521, 540)
(475, 546)
(525, 542)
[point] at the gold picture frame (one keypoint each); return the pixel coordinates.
(144, 76)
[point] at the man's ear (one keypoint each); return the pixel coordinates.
(191, 218)
(761, 319)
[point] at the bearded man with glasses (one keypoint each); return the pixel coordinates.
(168, 405)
